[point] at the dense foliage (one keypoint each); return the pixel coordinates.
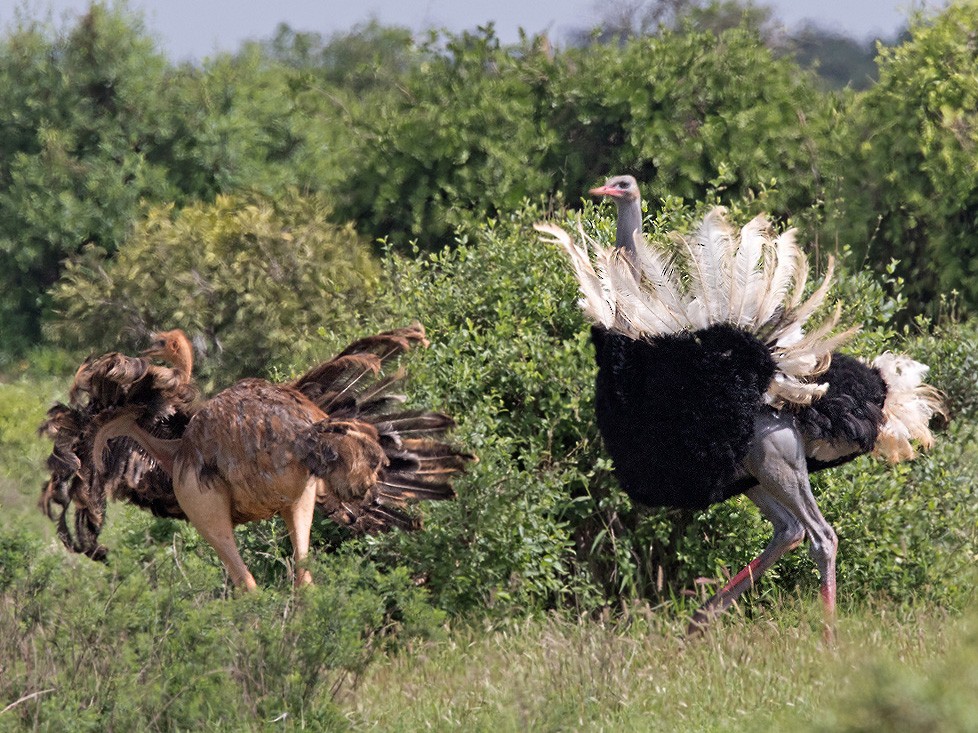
(663, 108)
(145, 645)
(241, 276)
(82, 118)
(909, 164)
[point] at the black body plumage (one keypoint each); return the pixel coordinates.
(676, 412)
(849, 413)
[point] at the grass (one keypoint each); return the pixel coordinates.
(559, 674)
(24, 402)
(147, 644)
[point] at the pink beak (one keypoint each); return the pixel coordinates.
(604, 191)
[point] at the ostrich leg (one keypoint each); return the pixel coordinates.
(210, 512)
(298, 520)
(784, 496)
(788, 534)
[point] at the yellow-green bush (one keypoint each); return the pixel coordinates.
(244, 276)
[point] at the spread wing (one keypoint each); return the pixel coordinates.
(103, 385)
(403, 451)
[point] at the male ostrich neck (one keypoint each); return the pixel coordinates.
(629, 223)
(125, 424)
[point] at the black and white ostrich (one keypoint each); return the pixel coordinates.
(709, 387)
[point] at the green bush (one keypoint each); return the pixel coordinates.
(665, 109)
(23, 404)
(243, 277)
(83, 114)
(146, 644)
(525, 121)
(539, 522)
(906, 170)
(96, 122)
(461, 140)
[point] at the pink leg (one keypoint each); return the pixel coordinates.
(788, 534)
(777, 461)
(209, 510)
(784, 495)
(298, 520)
(828, 591)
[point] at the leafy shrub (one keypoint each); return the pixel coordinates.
(539, 521)
(83, 113)
(241, 276)
(462, 140)
(524, 121)
(144, 644)
(907, 183)
(23, 404)
(97, 122)
(665, 109)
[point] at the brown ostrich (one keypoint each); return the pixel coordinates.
(334, 438)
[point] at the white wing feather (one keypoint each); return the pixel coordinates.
(750, 279)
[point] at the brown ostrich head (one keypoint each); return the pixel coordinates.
(174, 348)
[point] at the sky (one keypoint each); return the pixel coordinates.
(196, 29)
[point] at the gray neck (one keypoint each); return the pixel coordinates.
(629, 221)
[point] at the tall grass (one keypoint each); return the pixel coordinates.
(772, 673)
(23, 403)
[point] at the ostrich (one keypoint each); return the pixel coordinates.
(708, 387)
(333, 438)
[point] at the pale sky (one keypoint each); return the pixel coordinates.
(195, 29)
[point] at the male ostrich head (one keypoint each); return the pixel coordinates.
(621, 188)
(624, 192)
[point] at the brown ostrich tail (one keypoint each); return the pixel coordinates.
(909, 406)
(348, 385)
(418, 463)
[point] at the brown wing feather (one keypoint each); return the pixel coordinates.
(346, 379)
(102, 385)
(376, 458)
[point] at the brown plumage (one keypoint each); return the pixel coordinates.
(102, 385)
(333, 438)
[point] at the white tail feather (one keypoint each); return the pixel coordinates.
(747, 282)
(711, 251)
(787, 258)
(596, 300)
(908, 408)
